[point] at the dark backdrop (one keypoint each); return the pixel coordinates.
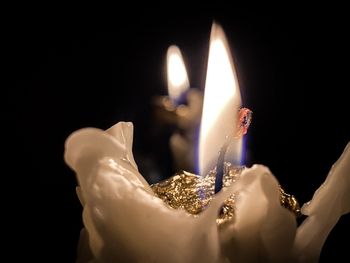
(81, 69)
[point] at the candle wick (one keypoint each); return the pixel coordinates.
(220, 166)
(244, 120)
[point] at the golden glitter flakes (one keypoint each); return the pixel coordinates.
(193, 192)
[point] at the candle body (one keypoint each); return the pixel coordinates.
(125, 222)
(182, 142)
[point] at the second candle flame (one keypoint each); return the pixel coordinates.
(176, 71)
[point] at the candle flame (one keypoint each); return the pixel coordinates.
(177, 76)
(222, 100)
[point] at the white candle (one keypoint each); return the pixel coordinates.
(125, 222)
(182, 142)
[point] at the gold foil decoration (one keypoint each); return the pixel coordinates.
(193, 192)
(289, 202)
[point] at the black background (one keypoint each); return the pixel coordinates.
(82, 69)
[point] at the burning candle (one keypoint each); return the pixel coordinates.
(182, 109)
(125, 221)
